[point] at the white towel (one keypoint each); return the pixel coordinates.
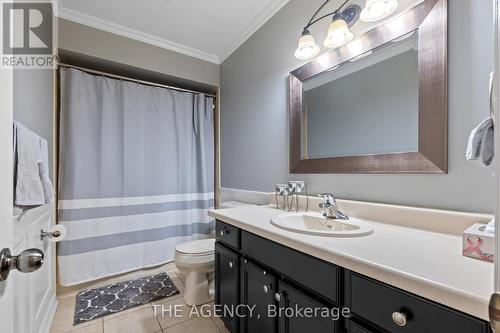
(29, 187)
(43, 167)
(481, 143)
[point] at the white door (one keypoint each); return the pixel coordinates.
(34, 293)
(6, 186)
(27, 301)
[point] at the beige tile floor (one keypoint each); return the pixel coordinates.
(140, 319)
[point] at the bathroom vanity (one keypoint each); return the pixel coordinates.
(258, 264)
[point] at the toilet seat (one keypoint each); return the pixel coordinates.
(190, 260)
(202, 247)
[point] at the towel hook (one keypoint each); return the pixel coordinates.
(492, 93)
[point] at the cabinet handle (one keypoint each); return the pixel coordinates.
(266, 288)
(399, 319)
(221, 232)
(278, 297)
(231, 264)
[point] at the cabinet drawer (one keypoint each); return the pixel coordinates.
(227, 234)
(377, 302)
(312, 273)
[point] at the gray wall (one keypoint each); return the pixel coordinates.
(34, 103)
(86, 40)
(254, 125)
(371, 111)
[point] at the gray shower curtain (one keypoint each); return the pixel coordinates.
(136, 174)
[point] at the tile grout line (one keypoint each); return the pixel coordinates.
(218, 328)
(158, 321)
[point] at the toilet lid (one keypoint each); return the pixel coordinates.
(201, 246)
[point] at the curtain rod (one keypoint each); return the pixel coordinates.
(148, 83)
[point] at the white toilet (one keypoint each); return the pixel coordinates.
(195, 261)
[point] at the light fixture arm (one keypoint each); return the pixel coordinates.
(312, 21)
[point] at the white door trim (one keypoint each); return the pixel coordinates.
(496, 104)
(6, 192)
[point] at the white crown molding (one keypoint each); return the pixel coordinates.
(118, 29)
(72, 15)
(269, 11)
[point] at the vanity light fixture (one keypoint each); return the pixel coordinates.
(307, 46)
(342, 19)
(338, 33)
(378, 9)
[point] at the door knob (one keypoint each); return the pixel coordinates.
(27, 261)
(494, 310)
(278, 297)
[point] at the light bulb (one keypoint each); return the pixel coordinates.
(378, 9)
(307, 47)
(338, 34)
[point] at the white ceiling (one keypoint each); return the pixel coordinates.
(209, 30)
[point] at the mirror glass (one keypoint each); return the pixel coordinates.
(367, 105)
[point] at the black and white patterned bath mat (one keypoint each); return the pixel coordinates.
(95, 303)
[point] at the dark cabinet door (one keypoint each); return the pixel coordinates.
(227, 285)
(257, 294)
(300, 313)
(353, 327)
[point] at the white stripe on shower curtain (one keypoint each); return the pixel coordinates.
(136, 174)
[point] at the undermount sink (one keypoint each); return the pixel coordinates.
(316, 224)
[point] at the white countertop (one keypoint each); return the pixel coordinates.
(428, 264)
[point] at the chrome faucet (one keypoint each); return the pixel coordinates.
(329, 207)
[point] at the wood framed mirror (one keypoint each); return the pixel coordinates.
(404, 126)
